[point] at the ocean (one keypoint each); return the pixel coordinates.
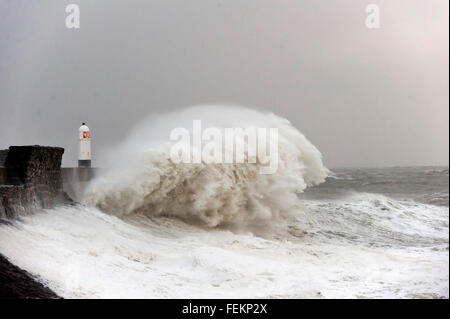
(152, 229)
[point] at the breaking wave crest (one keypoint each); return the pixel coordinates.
(144, 180)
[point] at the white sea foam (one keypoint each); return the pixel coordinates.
(82, 252)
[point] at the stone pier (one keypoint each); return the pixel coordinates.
(31, 177)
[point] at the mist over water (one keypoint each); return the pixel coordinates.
(148, 228)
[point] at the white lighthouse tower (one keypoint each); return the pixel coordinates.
(84, 146)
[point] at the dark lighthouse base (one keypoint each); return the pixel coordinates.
(84, 163)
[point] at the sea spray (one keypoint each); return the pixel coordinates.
(144, 179)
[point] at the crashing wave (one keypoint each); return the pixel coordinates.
(144, 179)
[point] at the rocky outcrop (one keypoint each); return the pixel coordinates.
(30, 179)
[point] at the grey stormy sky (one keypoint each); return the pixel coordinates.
(364, 97)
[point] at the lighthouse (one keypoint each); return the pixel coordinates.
(84, 146)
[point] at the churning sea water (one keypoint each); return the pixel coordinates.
(157, 230)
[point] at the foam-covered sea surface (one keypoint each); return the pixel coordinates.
(153, 229)
(360, 245)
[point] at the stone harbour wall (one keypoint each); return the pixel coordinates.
(30, 178)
